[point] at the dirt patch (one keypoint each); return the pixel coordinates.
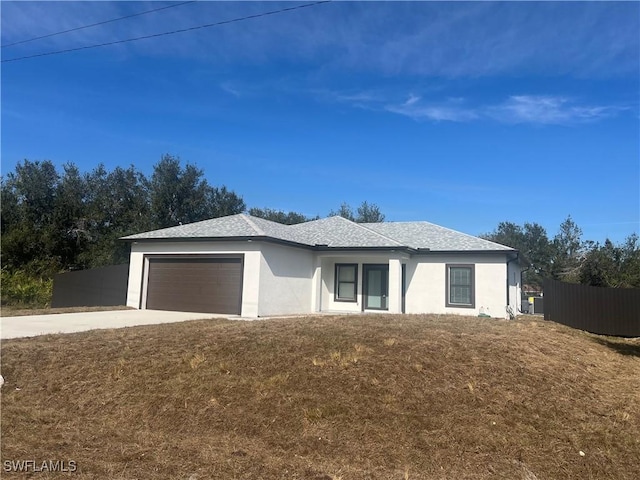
(344, 397)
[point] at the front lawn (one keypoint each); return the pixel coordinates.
(320, 398)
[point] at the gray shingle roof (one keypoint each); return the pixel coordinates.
(434, 237)
(231, 226)
(332, 232)
(340, 232)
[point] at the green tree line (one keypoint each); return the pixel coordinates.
(53, 221)
(569, 258)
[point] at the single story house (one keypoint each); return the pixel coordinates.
(252, 267)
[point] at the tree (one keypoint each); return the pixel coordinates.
(532, 243)
(70, 216)
(600, 267)
(224, 202)
(568, 251)
(127, 201)
(118, 205)
(610, 265)
(181, 195)
(28, 236)
(345, 211)
(286, 218)
(366, 213)
(537, 250)
(178, 195)
(630, 258)
(567, 257)
(34, 184)
(508, 234)
(8, 205)
(369, 213)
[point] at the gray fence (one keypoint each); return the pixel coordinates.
(105, 286)
(606, 311)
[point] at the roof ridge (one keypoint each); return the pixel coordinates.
(252, 224)
(375, 233)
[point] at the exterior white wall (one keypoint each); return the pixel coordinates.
(427, 288)
(316, 285)
(251, 283)
(515, 289)
(134, 287)
(281, 280)
(251, 266)
(328, 265)
(395, 285)
(285, 280)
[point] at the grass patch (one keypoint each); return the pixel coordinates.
(12, 311)
(344, 397)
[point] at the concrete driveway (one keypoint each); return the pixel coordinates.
(29, 326)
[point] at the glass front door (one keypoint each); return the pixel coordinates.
(376, 286)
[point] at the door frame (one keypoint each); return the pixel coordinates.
(384, 268)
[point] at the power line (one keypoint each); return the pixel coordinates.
(224, 22)
(96, 24)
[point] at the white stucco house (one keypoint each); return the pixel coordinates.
(248, 266)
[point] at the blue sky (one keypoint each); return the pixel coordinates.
(462, 114)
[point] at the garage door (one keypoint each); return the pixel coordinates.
(195, 284)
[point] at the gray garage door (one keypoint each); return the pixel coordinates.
(195, 284)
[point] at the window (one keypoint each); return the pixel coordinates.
(346, 282)
(461, 286)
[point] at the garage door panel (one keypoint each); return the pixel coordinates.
(195, 284)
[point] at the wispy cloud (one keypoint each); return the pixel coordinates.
(227, 87)
(516, 109)
(547, 109)
(447, 39)
(358, 97)
(452, 110)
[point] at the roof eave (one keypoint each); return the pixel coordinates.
(327, 248)
(317, 247)
(246, 238)
(427, 250)
(266, 238)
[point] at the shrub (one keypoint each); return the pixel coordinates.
(20, 288)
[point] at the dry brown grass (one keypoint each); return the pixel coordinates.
(355, 397)
(10, 311)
